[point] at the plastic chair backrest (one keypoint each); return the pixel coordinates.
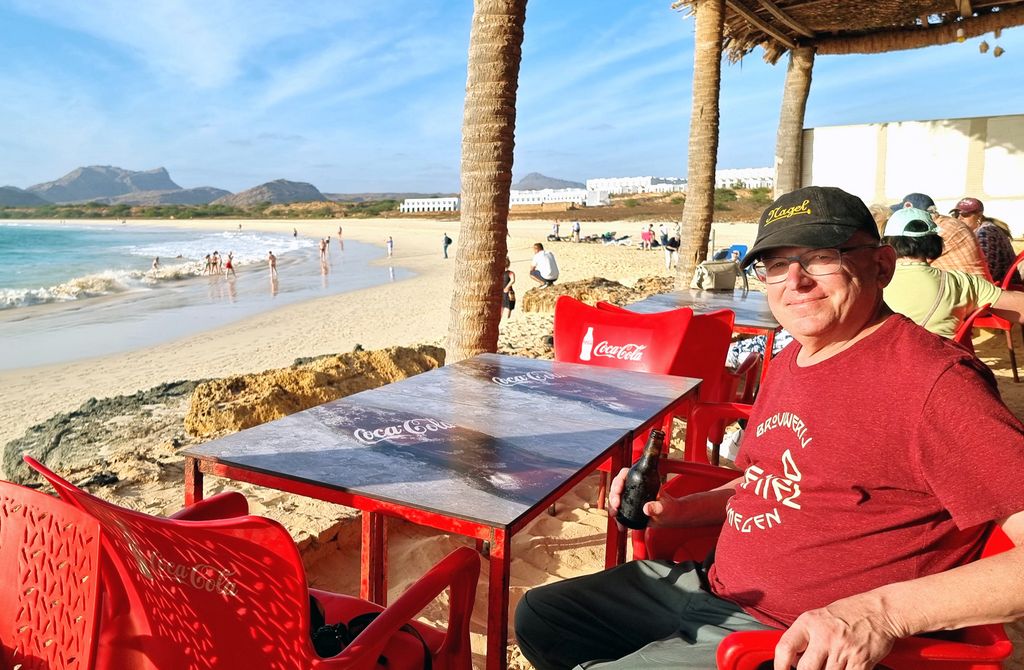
(50, 553)
(624, 340)
(703, 351)
(962, 336)
(1012, 278)
(203, 594)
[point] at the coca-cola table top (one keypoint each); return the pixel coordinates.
(751, 307)
(484, 440)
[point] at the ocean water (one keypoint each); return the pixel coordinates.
(71, 291)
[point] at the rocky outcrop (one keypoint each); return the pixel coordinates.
(592, 290)
(85, 443)
(227, 405)
(103, 181)
(278, 192)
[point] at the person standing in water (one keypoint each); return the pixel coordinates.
(229, 265)
(272, 259)
(391, 246)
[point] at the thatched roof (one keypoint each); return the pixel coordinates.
(856, 26)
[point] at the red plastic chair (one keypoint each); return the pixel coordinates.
(996, 322)
(232, 593)
(965, 330)
(1012, 280)
(49, 596)
(973, 648)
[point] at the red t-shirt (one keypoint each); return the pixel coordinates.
(884, 463)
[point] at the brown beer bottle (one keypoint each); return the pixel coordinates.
(642, 484)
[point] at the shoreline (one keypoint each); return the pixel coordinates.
(407, 312)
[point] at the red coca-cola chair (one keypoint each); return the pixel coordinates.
(49, 595)
(973, 648)
(619, 339)
(231, 592)
(1010, 282)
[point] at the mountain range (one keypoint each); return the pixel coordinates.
(116, 186)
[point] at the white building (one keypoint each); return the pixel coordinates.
(429, 205)
(622, 185)
(576, 196)
(745, 178)
(981, 157)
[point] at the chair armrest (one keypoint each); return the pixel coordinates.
(749, 370)
(459, 570)
(702, 418)
(221, 506)
(748, 650)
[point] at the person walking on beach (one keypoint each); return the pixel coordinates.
(209, 265)
(672, 253)
(339, 232)
(445, 243)
(229, 265)
(272, 259)
(576, 230)
(323, 249)
(391, 246)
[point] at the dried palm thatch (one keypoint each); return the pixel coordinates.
(856, 26)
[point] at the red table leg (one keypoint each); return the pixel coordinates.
(373, 559)
(497, 601)
(193, 481)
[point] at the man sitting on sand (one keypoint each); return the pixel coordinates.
(858, 514)
(544, 270)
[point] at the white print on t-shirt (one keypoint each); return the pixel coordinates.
(784, 489)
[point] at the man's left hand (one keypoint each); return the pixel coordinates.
(850, 634)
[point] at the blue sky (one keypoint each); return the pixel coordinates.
(366, 95)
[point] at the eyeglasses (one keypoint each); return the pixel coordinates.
(817, 263)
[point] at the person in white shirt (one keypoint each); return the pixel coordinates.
(544, 270)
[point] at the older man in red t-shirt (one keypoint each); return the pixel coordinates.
(859, 514)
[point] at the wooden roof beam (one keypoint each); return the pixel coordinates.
(761, 25)
(964, 7)
(785, 18)
(915, 38)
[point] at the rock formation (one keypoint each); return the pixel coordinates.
(12, 196)
(231, 404)
(592, 290)
(535, 181)
(103, 181)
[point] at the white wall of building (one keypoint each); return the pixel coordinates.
(745, 178)
(429, 205)
(981, 157)
(623, 185)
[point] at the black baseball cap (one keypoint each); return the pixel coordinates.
(813, 216)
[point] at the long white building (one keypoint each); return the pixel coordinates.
(429, 205)
(745, 178)
(577, 196)
(621, 185)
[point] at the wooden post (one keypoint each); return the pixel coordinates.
(703, 147)
(789, 143)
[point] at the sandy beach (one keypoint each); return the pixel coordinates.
(406, 312)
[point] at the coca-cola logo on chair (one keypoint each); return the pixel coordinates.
(622, 344)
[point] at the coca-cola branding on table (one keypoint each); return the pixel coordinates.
(623, 352)
(541, 376)
(411, 427)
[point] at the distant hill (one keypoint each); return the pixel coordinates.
(365, 197)
(535, 181)
(203, 195)
(12, 196)
(277, 192)
(103, 181)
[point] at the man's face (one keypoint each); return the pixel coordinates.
(832, 307)
(972, 220)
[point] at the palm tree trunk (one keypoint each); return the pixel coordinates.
(488, 141)
(789, 144)
(703, 148)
